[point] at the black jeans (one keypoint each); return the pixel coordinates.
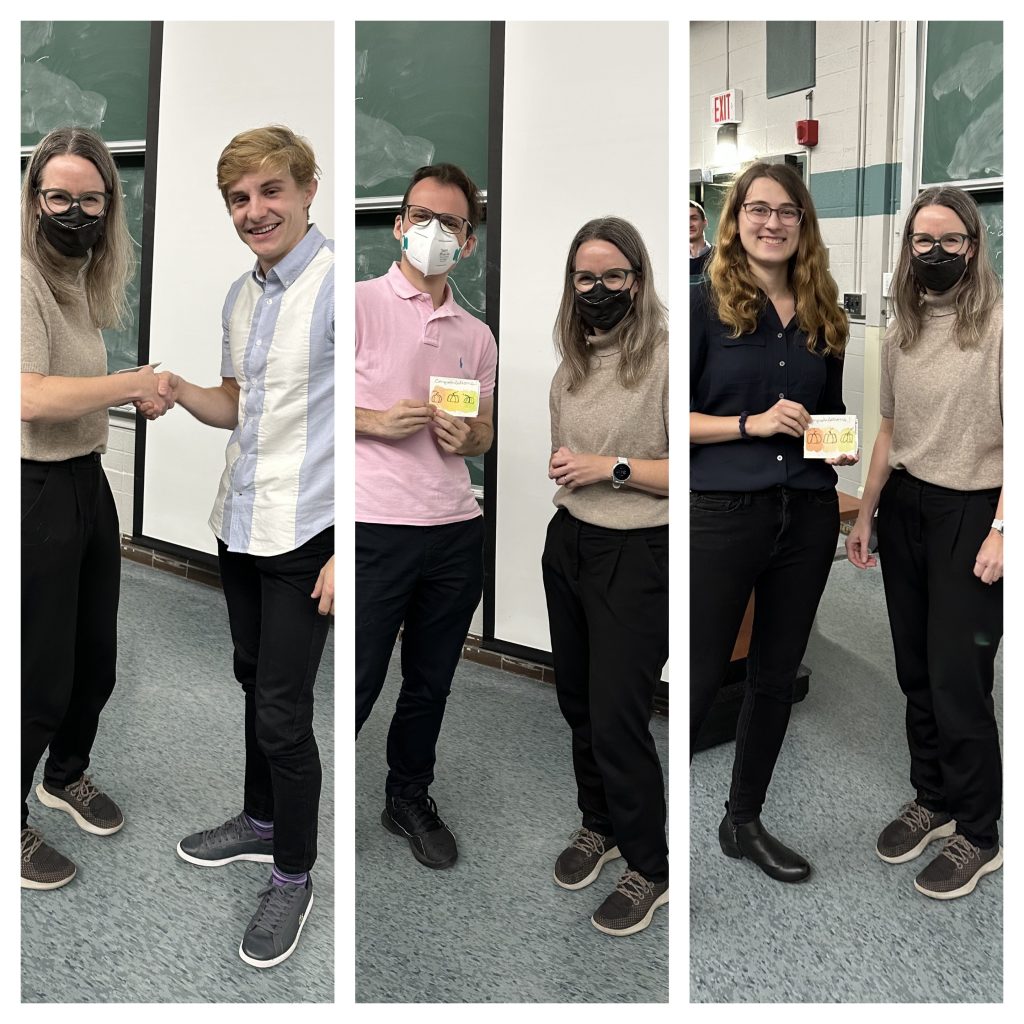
(278, 639)
(946, 627)
(70, 585)
(431, 579)
(607, 598)
(779, 544)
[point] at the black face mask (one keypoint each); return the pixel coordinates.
(72, 233)
(938, 271)
(602, 309)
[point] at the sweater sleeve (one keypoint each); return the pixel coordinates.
(555, 409)
(35, 342)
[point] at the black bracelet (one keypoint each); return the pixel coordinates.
(743, 425)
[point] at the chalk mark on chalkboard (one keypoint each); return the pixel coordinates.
(979, 150)
(383, 152)
(49, 100)
(972, 73)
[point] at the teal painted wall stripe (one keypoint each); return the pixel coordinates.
(835, 192)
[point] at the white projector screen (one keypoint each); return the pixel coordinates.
(577, 144)
(217, 79)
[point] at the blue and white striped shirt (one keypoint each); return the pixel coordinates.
(277, 490)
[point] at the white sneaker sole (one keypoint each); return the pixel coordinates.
(27, 883)
(256, 858)
(49, 800)
(287, 953)
(969, 886)
(936, 833)
(640, 925)
(584, 882)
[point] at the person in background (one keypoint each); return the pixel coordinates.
(767, 336)
(936, 477)
(419, 529)
(701, 250)
(605, 563)
(273, 518)
(76, 262)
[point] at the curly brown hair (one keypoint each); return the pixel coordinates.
(737, 293)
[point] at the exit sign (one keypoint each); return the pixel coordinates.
(727, 107)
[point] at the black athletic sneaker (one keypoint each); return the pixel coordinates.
(92, 810)
(273, 933)
(431, 840)
(630, 908)
(906, 836)
(955, 872)
(234, 840)
(581, 861)
(42, 867)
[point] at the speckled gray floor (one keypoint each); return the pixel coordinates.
(138, 924)
(857, 931)
(495, 927)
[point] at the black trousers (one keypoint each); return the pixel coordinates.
(946, 627)
(70, 584)
(278, 638)
(777, 544)
(431, 579)
(607, 598)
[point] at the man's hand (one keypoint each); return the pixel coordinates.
(988, 566)
(578, 469)
(452, 432)
(402, 420)
(166, 388)
(324, 588)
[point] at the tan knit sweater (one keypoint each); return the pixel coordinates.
(602, 417)
(946, 402)
(61, 341)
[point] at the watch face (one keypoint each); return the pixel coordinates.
(621, 472)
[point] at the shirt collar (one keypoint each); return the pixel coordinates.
(289, 267)
(405, 289)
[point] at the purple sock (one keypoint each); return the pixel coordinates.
(279, 877)
(264, 829)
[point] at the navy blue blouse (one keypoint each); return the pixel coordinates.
(752, 372)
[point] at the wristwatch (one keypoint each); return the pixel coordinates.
(997, 525)
(620, 472)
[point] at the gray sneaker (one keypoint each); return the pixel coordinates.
(906, 836)
(956, 871)
(274, 930)
(92, 810)
(234, 840)
(42, 867)
(581, 861)
(630, 908)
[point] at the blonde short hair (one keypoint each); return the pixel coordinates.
(275, 147)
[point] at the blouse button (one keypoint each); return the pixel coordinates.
(782, 394)
(779, 335)
(782, 362)
(778, 458)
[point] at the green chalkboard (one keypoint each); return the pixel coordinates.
(789, 56)
(376, 250)
(963, 102)
(91, 73)
(421, 97)
(123, 345)
(992, 213)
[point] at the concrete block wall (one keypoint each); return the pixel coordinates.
(119, 465)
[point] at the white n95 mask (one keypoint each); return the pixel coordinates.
(430, 249)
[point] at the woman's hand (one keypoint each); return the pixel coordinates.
(857, 544)
(844, 460)
(784, 417)
(988, 566)
(577, 469)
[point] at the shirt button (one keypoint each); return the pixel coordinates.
(270, 302)
(782, 362)
(782, 394)
(778, 458)
(779, 335)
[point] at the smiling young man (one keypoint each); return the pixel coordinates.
(274, 518)
(419, 531)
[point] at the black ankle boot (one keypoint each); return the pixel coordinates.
(753, 841)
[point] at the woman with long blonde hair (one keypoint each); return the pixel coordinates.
(936, 477)
(767, 337)
(605, 563)
(76, 263)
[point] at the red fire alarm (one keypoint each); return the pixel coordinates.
(807, 133)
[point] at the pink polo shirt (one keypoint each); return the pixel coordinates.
(401, 342)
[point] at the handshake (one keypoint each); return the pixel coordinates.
(159, 392)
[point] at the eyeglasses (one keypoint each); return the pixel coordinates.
(952, 242)
(761, 213)
(451, 223)
(614, 280)
(57, 201)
